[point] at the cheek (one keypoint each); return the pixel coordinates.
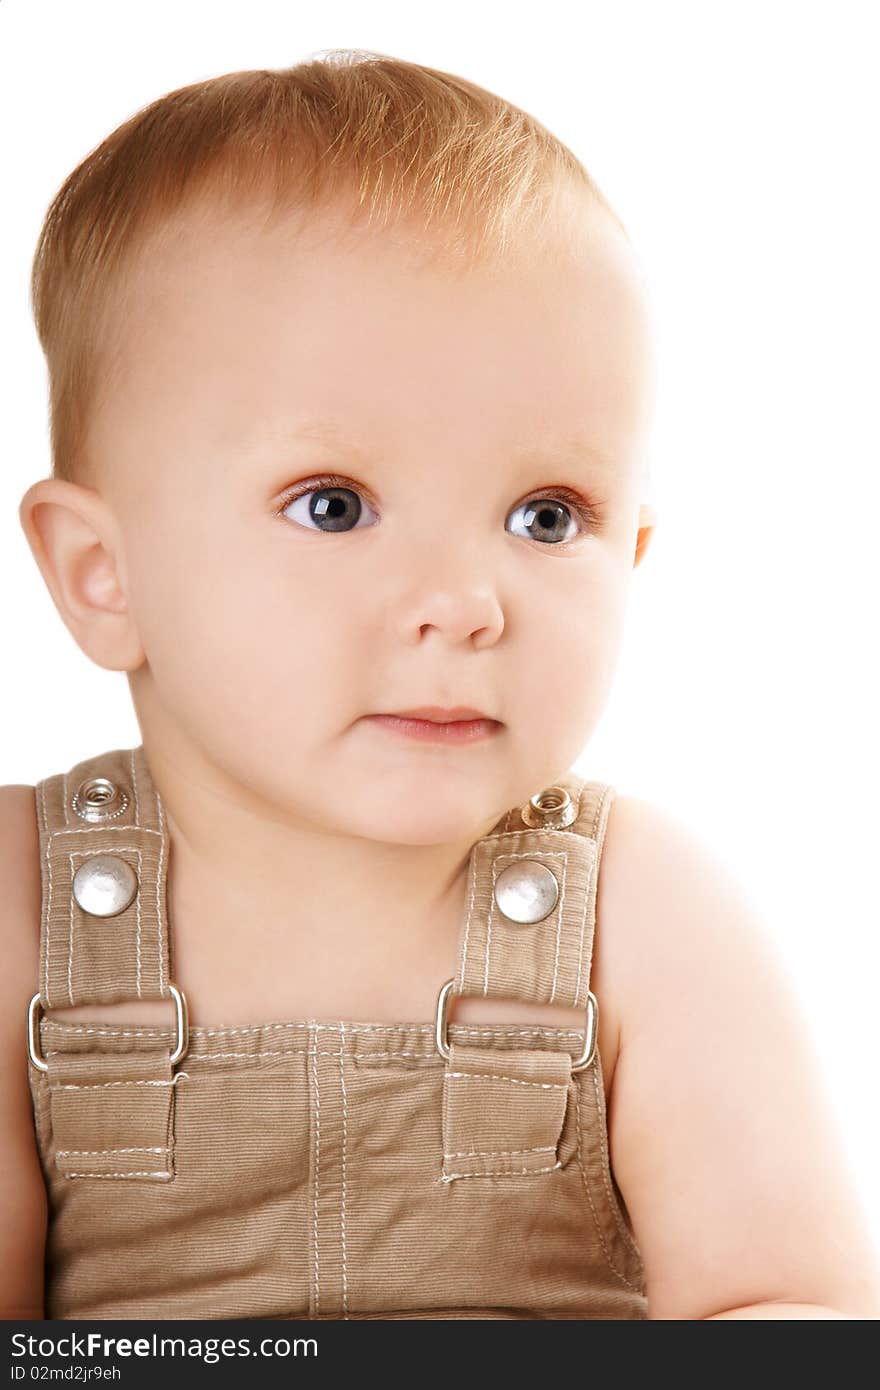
(567, 645)
(571, 627)
(238, 636)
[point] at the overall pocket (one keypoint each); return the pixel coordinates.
(504, 1112)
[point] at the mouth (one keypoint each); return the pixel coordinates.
(431, 723)
(434, 714)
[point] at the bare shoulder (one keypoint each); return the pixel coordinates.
(652, 866)
(20, 900)
(722, 1141)
(23, 1206)
(638, 840)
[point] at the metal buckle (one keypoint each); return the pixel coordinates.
(578, 1064)
(180, 1006)
(551, 809)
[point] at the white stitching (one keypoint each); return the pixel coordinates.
(586, 896)
(114, 1030)
(313, 1052)
(103, 1085)
(472, 881)
(344, 1141)
(559, 920)
(142, 1173)
(487, 952)
(606, 1162)
(502, 1153)
(286, 1052)
(444, 1123)
(322, 1052)
(493, 1173)
(586, 899)
(586, 1184)
(134, 786)
(104, 829)
(251, 1028)
(48, 923)
(419, 1056)
(159, 899)
(592, 880)
(493, 1076)
(153, 1149)
(281, 1052)
(70, 907)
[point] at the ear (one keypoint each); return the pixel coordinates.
(77, 545)
(647, 526)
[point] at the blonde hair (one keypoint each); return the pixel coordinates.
(390, 139)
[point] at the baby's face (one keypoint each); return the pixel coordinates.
(417, 414)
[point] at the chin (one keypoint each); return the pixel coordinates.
(419, 819)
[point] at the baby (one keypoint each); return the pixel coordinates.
(351, 386)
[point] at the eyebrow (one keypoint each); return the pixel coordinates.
(567, 452)
(321, 431)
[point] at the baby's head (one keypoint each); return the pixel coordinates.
(389, 292)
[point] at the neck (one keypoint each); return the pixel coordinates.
(248, 869)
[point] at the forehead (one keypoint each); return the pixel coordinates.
(239, 332)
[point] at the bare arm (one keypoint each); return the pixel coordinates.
(722, 1141)
(23, 1205)
(783, 1310)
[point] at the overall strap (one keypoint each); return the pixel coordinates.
(527, 934)
(103, 861)
(104, 939)
(531, 901)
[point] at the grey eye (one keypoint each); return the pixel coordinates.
(546, 519)
(328, 509)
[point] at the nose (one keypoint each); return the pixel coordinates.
(462, 608)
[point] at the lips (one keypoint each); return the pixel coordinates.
(434, 714)
(459, 725)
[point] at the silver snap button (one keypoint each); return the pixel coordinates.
(526, 891)
(551, 809)
(104, 885)
(99, 799)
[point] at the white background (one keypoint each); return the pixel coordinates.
(738, 142)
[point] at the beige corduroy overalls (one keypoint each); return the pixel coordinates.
(322, 1170)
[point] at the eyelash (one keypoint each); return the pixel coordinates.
(589, 513)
